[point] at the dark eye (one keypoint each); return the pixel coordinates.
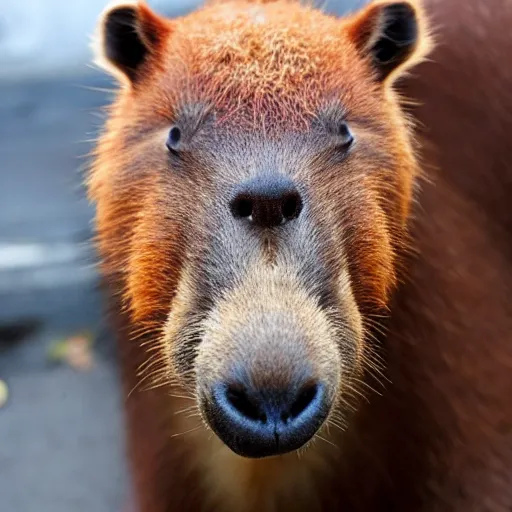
(173, 139)
(344, 136)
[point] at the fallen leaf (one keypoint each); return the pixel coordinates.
(4, 393)
(76, 351)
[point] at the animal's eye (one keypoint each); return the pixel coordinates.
(344, 136)
(174, 139)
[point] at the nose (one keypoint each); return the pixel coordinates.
(264, 422)
(266, 201)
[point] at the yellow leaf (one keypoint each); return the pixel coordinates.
(4, 393)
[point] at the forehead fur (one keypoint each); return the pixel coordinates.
(262, 64)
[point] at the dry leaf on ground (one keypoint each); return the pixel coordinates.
(76, 351)
(4, 393)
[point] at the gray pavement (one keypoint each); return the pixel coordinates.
(61, 435)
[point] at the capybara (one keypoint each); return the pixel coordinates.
(305, 228)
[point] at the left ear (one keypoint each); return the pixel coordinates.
(128, 34)
(393, 35)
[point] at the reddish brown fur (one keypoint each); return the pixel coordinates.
(439, 437)
(257, 86)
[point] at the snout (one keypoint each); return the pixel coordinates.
(268, 368)
(261, 422)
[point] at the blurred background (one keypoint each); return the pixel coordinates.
(61, 435)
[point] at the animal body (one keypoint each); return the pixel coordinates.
(311, 291)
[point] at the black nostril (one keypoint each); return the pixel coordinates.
(306, 395)
(266, 201)
(248, 407)
(291, 206)
(241, 206)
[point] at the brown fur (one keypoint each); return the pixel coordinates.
(439, 437)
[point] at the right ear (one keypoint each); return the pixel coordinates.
(391, 34)
(128, 34)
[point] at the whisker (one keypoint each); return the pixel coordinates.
(186, 431)
(326, 440)
(183, 397)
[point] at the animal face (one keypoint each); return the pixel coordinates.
(253, 187)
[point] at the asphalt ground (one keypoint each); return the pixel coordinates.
(61, 435)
